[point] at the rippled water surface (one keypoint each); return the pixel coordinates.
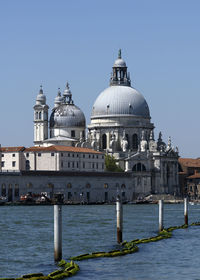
(26, 241)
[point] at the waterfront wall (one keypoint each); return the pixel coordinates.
(85, 187)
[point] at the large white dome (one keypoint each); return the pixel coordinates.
(120, 100)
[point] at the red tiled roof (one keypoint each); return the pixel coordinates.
(189, 162)
(194, 176)
(57, 148)
(12, 149)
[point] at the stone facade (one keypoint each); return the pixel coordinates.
(120, 127)
(77, 187)
(53, 158)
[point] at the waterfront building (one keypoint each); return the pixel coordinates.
(120, 127)
(189, 177)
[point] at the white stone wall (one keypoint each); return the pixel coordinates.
(11, 161)
(53, 161)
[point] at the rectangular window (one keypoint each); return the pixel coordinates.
(39, 154)
(2, 155)
(52, 154)
(97, 156)
(13, 163)
(3, 164)
(72, 164)
(13, 155)
(89, 156)
(77, 164)
(97, 166)
(102, 157)
(61, 154)
(83, 164)
(68, 155)
(61, 163)
(72, 133)
(68, 164)
(83, 156)
(102, 165)
(27, 154)
(72, 155)
(93, 165)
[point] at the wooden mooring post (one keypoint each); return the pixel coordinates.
(119, 211)
(57, 233)
(186, 210)
(160, 215)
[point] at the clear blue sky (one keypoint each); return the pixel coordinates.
(51, 42)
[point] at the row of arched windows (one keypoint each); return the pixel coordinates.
(38, 115)
(139, 167)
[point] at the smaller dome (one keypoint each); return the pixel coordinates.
(119, 63)
(67, 115)
(41, 98)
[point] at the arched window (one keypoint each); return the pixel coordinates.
(40, 115)
(27, 165)
(139, 167)
(127, 138)
(36, 115)
(104, 141)
(3, 190)
(69, 185)
(16, 190)
(143, 167)
(134, 141)
(168, 174)
(88, 185)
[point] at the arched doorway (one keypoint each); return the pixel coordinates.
(10, 193)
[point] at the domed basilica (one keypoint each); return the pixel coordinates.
(120, 126)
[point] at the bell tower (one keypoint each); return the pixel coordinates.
(40, 119)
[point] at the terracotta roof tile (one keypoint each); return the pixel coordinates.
(189, 162)
(12, 149)
(57, 148)
(194, 176)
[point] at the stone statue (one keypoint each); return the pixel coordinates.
(112, 141)
(124, 143)
(143, 143)
(169, 145)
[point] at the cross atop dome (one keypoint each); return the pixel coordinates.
(120, 53)
(41, 90)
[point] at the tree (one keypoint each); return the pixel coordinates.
(110, 163)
